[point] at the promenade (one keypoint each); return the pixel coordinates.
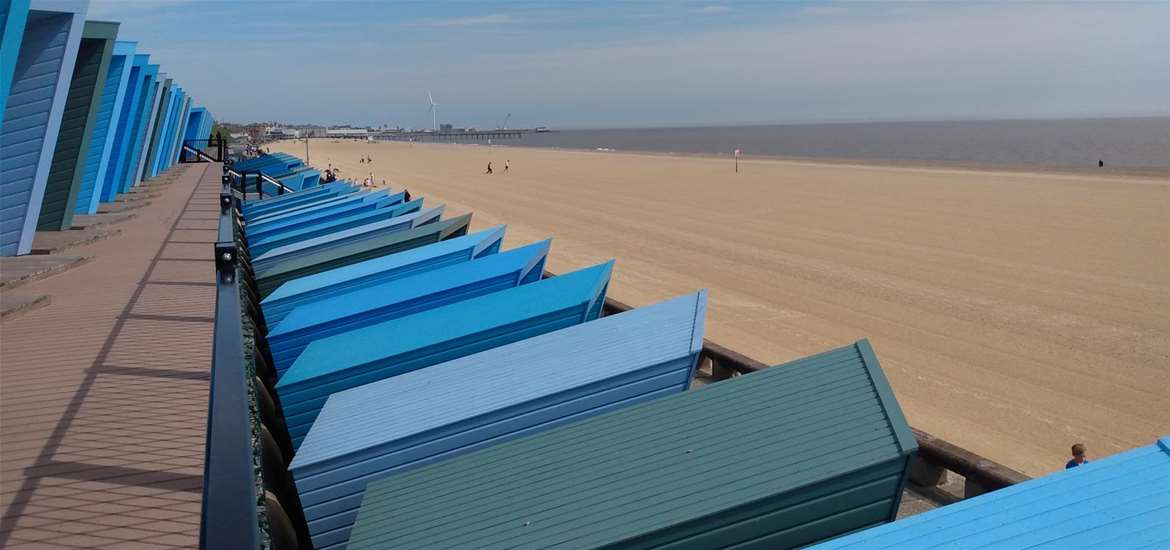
(103, 392)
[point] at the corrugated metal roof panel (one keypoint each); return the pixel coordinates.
(334, 225)
(365, 203)
(401, 297)
(1122, 501)
(378, 270)
(344, 236)
(366, 355)
(526, 387)
(788, 456)
(357, 249)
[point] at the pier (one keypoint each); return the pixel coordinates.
(478, 135)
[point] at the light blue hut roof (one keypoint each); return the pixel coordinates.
(391, 426)
(343, 236)
(337, 201)
(367, 202)
(262, 207)
(330, 225)
(386, 268)
(402, 297)
(1122, 501)
(390, 348)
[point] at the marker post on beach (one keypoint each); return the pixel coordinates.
(737, 161)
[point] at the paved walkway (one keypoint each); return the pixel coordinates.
(103, 393)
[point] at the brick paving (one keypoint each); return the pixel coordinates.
(103, 393)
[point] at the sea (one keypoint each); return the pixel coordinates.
(1139, 144)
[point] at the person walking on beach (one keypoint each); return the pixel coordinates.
(1078, 457)
(507, 166)
(489, 170)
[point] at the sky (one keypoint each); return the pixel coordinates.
(577, 64)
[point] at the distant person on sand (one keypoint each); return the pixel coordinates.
(489, 170)
(1100, 164)
(1078, 457)
(507, 166)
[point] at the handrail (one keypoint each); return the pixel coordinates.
(249, 498)
(231, 518)
(242, 177)
(981, 474)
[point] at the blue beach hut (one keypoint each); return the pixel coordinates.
(339, 238)
(319, 227)
(390, 348)
(387, 300)
(138, 82)
(274, 205)
(42, 68)
(352, 205)
(323, 203)
(1122, 501)
(379, 270)
(104, 134)
(526, 387)
(143, 122)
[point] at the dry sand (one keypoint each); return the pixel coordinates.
(1015, 313)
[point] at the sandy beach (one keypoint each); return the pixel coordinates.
(1015, 313)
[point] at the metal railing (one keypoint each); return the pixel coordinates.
(239, 181)
(213, 149)
(249, 498)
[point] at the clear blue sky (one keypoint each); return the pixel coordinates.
(655, 63)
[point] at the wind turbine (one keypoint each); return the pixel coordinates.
(434, 113)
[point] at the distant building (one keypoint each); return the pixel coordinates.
(445, 128)
(347, 133)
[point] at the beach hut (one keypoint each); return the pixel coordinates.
(102, 158)
(369, 354)
(143, 123)
(357, 249)
(374, 303)
(380, 270)
(440, 412)
(290, 248)
(123, 135)
(150, 129)
(13, 17)
(85, 119)
(42, 67)
(354, 204)
(199, 127)
(780, 458)
(1122, 501)
(277, 238)
(327, 204)
(275, 205)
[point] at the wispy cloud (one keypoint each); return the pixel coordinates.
(493, 19)
(711, 10)
(826, 11)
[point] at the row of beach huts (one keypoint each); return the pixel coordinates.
(84, 117)
(419, 386)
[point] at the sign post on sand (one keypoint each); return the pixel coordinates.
(737, 161)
